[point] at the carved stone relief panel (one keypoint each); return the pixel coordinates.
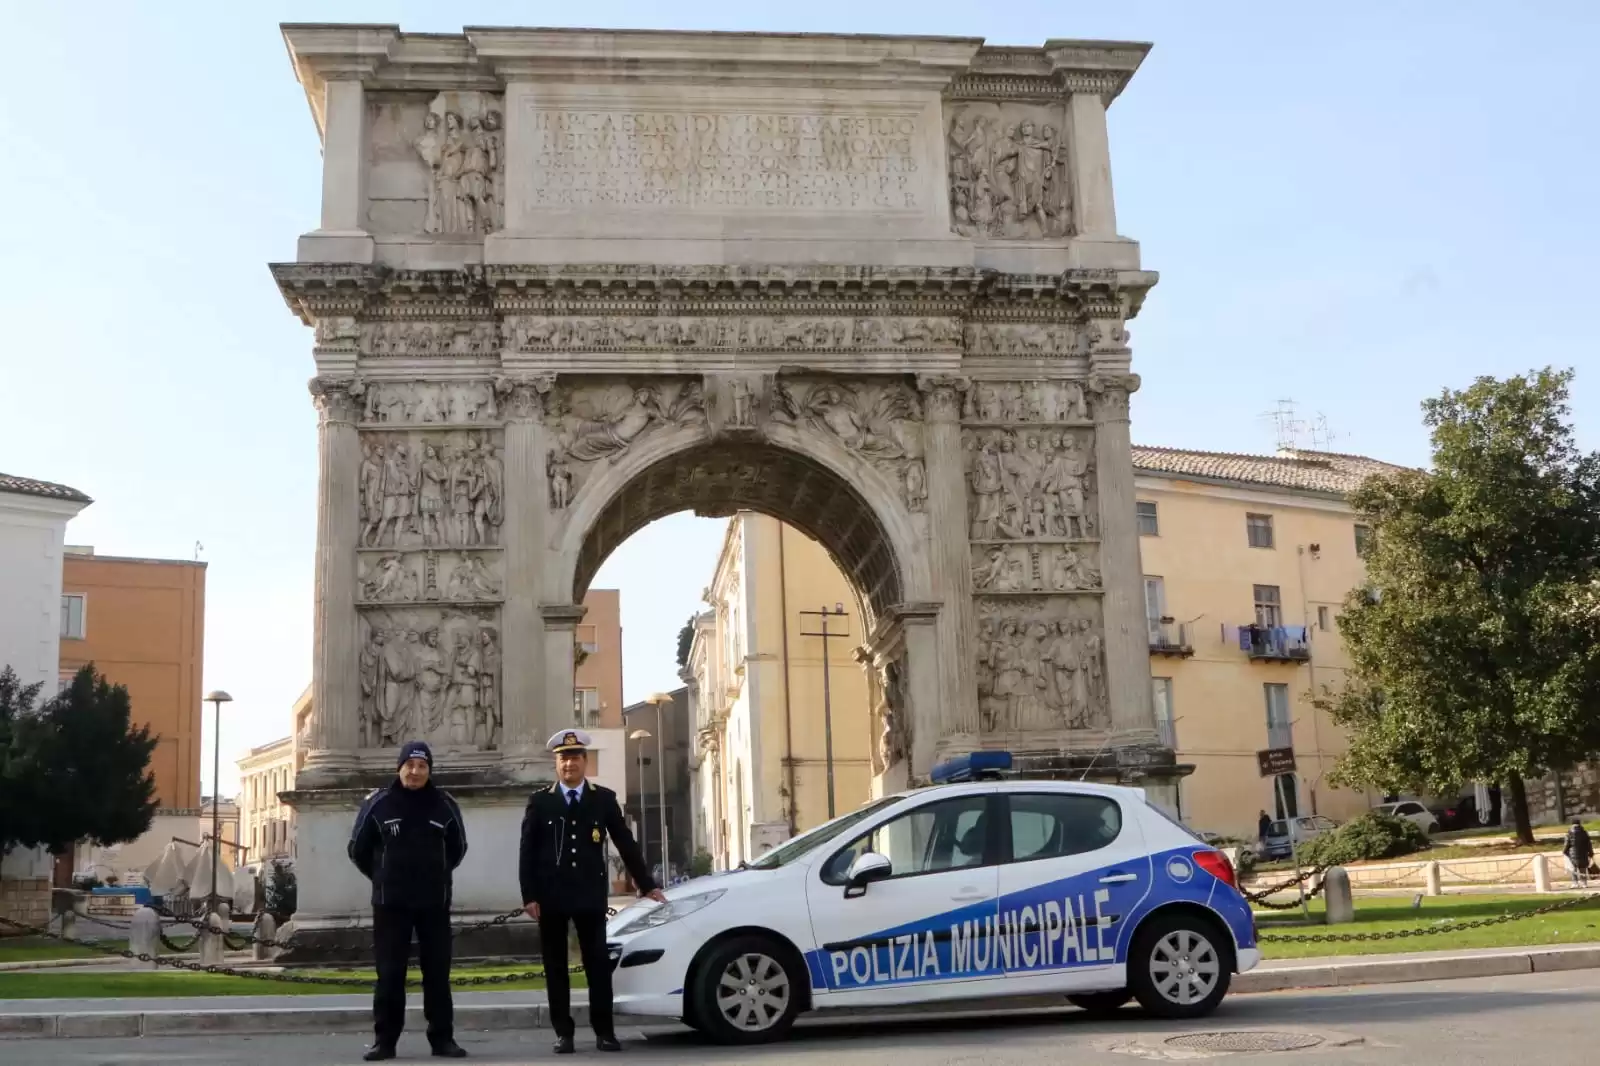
(432, 490)
(430, 673)
(436, 165)
(1030, 484)
(1041, 664)
(879, 420)
(1028, 340)
(667, 333)
(420, 402)
(599, 420)
(1002, 403)
(393, 577)
(1035, 567)
(439, 339)
(1008, 170)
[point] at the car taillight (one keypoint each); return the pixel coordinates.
(1217, 865)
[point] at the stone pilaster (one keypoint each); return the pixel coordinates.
(1094, 204)
(923, 641)
(1127, 641)
(335, 684)
(524, 535)
(951, 559)
(560, 628)
(344, 158)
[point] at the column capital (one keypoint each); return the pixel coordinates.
(944, 393)
(1111, 392)
(336, 399)
(522, 395)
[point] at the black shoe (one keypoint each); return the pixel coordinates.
(607, 1043)
(564, 1045)
(449, 1050)
(379, 1052)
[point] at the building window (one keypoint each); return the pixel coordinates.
(1149, 524)
(72, 617)
(1166, 725)
(1324, 618)
(1155, 606)
(1280, 732)
(1259, 528)
(1363, 540)
(1269, 606)
(588, 639)
(586, 707)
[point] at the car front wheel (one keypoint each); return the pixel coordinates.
(1179, 967)
(747, 992)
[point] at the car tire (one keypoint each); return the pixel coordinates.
(762, 1000)
(1180, 965)
(1433, 827)
(1101, 1004)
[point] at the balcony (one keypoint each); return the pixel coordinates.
(1275, 644)
(1170, 638)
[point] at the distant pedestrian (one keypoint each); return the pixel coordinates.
(1579, 851)
(1263, 826)
(562, 867)
(408, 840)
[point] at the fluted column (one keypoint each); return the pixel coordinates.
(335, 685)
(1127, 640)
(951, 558)
(560, 630)
(523, 536)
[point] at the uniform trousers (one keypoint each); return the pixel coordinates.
(591, 929)
(391, 948)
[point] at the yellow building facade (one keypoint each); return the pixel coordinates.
(765, 708)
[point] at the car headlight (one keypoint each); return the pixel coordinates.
(669, 911)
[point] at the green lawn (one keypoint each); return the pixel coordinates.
(1579, 924)
(1283, 868)
(35, 949)
(67, 984)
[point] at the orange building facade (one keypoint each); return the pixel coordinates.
(142, 623)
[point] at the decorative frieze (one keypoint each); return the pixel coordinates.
(1003, 403)
(778, 332)
(420, 402)
(404, 577)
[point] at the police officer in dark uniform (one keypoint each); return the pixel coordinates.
(408, 840)
(564, 880)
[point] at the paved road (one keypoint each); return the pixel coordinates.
(1553, 1019)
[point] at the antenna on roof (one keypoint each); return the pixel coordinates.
(1286, 425)
(1322, 434)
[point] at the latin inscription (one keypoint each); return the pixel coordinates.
(725, 161)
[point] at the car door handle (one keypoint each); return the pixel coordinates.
(971, 897)
(1117, 879)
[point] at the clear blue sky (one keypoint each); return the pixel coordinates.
(1351, 207)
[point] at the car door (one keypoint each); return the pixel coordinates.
(1073, 865)
(926, 931)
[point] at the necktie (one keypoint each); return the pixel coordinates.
(572, 796)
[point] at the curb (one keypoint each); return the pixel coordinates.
(482, 1018)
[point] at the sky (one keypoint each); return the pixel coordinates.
(1351, 206)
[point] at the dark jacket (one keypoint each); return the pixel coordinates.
(562, 864)
(408, 845)
(1579, 848)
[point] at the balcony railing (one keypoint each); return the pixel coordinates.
(1169, 638)
(1280, 644)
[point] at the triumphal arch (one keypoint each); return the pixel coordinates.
(567, 282)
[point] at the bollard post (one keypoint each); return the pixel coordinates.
(210, 940)
(265, 929)
(69, 924)
(1541, 873)
(1336, 893)
(144, 937)
(1432, 870)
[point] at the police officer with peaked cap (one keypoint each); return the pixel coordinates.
(408, 840)
(562, 867)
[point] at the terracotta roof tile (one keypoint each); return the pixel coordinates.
(27, 486)
(1329, 472)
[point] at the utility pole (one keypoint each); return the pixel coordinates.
(843, 630)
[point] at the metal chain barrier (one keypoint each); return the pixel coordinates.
(245, 940)
(1273, 890)
(1430, 930)
(1293, 904)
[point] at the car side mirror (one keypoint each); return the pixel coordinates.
(868, 867)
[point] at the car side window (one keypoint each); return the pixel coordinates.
(1048, 825)
(944, 835)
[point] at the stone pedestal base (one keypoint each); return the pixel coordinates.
(334, 914)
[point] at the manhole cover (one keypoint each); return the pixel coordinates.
(1246, 1040)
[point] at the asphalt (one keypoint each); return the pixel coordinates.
(1549, 1018)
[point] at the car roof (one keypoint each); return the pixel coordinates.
(1012, 784)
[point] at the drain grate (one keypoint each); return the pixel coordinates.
(1244, 1040)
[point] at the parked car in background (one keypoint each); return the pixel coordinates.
(1285, 833)
(1411, 811)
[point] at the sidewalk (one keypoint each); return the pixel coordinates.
(201, 1015)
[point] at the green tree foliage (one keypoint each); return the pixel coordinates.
(1371, 836)
(74, 768)
(1475, 653)
(685, 642)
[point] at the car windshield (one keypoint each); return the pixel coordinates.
(791, 850)
(1279, 828)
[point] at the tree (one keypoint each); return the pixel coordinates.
(685, 642)
(1475, 648)
(77, 768)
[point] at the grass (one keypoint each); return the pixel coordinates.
(67, 984)
(38, 949)
(1579, 924)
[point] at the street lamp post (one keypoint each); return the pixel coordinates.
(661, 779)
(639, 736)
(827, 690)
(216, 698)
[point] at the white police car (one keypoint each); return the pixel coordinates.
(977, 887)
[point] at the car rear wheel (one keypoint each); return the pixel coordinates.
(746, 992)
(1101, 1004)
(1179, 966)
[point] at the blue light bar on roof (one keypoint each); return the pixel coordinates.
(970, 767)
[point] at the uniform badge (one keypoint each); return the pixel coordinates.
(595, 836)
